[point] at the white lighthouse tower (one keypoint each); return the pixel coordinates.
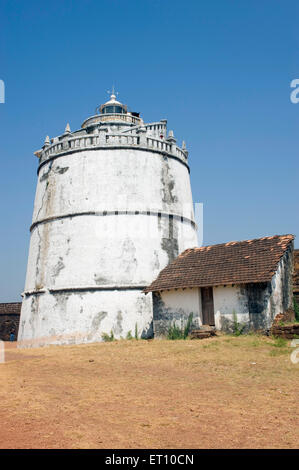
(113, 207)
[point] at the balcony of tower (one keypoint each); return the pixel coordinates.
(103, 139)
(114, 127)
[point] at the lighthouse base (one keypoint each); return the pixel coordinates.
(74, 316)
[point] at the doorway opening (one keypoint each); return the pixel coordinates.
(207, 303)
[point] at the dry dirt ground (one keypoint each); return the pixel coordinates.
(224, 392)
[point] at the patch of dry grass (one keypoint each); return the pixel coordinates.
(223, 392)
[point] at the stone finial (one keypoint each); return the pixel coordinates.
(142, 132)
(47, 141)
(183, 145)
(67, 129)
(38, 154)
(170, 137)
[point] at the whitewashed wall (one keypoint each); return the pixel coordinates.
(255, 305)
(84, 258)
(174, 307)
(188, 300)
(227, 301)
(80, 317)
(281, 298)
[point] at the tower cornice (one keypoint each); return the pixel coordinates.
(178, 154)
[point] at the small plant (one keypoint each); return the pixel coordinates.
(280, 342)
(296, 310)
(174, 332)
(108, 338)
(211, 346)
(255, 344)
(237, 327)
(136, 331)
(182, 332)
(278, 352)
(129, 335)
(188, 326)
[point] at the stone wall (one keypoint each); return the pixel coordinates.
(9, 320)
(296, 276)
(285, 331)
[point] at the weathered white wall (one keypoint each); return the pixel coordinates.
(281, 298)
(100, 250)
(256, 305)
(227, 300)
(107, 179)
(75, 246)
(187, 300)
(79, 317)
(175, 306)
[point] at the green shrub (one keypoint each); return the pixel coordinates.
(278, 352)
(136, 331)
(129, 335)
(176, 332)
(237, 327)
(280, 342)
(296, 310)
(108, 338)
(188, 326)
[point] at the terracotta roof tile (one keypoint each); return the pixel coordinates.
(228, 263)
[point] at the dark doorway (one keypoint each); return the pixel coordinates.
(207, 303)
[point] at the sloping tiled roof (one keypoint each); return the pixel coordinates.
(10, 308)
(229, 263)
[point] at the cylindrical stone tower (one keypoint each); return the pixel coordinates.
(113, 207)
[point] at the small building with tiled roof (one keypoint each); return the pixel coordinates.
(248, 282)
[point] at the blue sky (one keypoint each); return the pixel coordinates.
(219, 71)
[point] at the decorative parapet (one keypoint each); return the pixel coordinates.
(99, 118)
(154, 128)
(103, 139)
